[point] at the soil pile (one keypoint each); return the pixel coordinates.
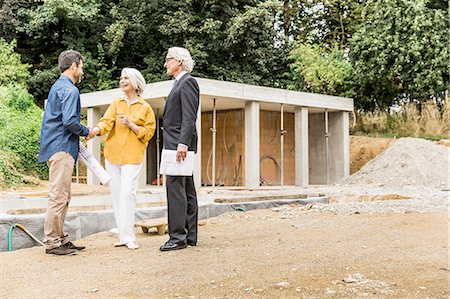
(363, 149)
(409, 161)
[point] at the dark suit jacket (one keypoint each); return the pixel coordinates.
(180, 114)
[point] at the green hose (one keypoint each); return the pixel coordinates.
(22, 228)
(9, 237)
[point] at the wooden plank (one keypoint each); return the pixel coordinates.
(159, 223)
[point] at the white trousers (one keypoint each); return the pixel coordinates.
(123, 186)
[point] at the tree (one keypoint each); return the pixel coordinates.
(237, 40)
(11, 67)
(321, 70)
(257, 50)
(400, 52)
(326, 22)
(45, 28)
(229, 39)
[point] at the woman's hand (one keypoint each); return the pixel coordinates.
(127, 122)
(124, 120)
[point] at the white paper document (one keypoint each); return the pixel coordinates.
(170, 166)
(88, 159)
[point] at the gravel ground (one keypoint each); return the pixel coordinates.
(350, 199)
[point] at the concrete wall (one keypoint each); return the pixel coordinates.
(317, 155)
(301, 121)
(338, 148)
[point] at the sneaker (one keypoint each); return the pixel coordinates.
(132, 245)
(119, 244)
(70, 245)
(61, 250)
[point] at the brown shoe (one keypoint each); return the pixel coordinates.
(61, 250)
(70, 245)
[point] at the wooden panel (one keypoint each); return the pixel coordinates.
(270, 150)
(230, 148)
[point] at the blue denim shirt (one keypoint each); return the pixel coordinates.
(61, 125)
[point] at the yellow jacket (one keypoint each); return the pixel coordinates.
(122, 145)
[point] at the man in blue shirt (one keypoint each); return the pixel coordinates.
(60, 133)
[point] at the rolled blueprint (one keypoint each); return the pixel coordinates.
(93, 165)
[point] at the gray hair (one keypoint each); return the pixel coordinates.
(182, 55)
(136, 79)
(67, 58)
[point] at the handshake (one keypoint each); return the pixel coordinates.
(123, 119)
(92, 133)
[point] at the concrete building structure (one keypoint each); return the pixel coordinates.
(293, 138)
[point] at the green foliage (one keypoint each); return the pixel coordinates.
(235, 40)
(16, 98)
(11, 68)
(65, 14)
(438, 4)
(19, 119)
(45, 28)
(8, 173)
(398, 49)
(400, 52)
(320, 70)
(98, 75)
(19, 130)
(322, 22)
(41, 81)
(258, 52)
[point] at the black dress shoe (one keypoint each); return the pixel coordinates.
(191, 243)
(173, 246)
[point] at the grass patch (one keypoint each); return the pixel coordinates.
(429, 121)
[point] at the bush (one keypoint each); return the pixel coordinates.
(11, 68)
(20, 122)
(8, 173)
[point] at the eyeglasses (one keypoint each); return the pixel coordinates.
(169, 58)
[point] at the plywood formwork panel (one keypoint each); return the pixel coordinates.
(230, 148)
(270, 148)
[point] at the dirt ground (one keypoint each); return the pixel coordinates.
(284, 252)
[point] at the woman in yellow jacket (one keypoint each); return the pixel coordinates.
(130, 122)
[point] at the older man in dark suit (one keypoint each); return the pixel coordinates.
(180, 134)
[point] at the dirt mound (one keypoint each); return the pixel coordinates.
(363, 149)
(409, 161)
